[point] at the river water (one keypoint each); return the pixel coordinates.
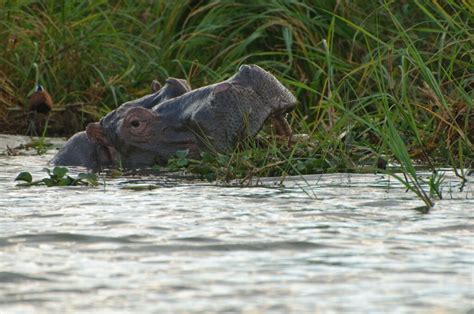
(326, 243)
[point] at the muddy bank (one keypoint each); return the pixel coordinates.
(63, 121)
(14, 145)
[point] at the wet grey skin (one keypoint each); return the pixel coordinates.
(80, 151)
(212, 118)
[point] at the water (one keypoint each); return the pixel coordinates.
(355, 245)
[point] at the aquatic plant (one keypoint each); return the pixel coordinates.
(179, 162)
(58, 177)
(253, 159)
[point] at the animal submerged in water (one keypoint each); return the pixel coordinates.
(149, 130)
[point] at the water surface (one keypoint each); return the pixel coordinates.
(328, 243)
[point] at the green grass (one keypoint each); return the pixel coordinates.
(375, 79)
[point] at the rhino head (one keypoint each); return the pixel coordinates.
(145, 131)
(93, 150)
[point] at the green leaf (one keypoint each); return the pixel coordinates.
(182, 162)
(59, 171)
(206, 157)
(91, 178)
(182, 153)
(24, 176)
(48, 182)
(223, 160)
(65, 181)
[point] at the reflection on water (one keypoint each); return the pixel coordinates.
(355, 245)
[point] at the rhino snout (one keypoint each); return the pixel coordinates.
(272, 92)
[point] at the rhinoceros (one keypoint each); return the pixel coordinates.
(149, 130)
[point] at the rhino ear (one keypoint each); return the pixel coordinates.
(155, 86)
(221, 87)
(95, 134)
(181, 86)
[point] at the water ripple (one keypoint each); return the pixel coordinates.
(328, 243)
(66, 237)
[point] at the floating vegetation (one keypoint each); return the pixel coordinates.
(58, 177)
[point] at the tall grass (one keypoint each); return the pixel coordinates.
(374, 78)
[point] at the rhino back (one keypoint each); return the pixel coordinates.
(220, 120)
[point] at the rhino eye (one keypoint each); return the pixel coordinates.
(135, 123)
